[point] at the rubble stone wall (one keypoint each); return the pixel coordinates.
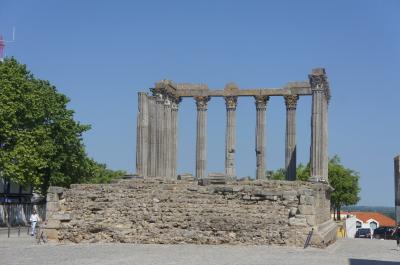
(181, 211)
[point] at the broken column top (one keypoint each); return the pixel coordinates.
(318, 71)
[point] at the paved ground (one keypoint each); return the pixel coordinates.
(24, 250)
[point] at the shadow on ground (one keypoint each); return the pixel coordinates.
(371, 262)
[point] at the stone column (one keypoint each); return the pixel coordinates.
(397, 188)
(201, 137)
(167, 138)
(319, 127)
(142, 137)
(261, 106)
(174, 133)
(230, 136)
(290, 139)
(151, 169)
(159, 131)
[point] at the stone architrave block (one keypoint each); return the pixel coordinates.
(53, 224)
(64, 217)
(52, 197)
(52, 206)
(55, 189)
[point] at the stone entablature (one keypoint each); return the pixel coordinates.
(172, 212)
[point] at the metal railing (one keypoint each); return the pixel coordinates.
(18, 214)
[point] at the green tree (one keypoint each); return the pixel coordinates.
(40, 142)
(101, 174)
(345, 184)
(279, 174)
(302, 172)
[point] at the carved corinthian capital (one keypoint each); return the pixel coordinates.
(231, 102)
(291, 101)
(201, 102)
(319, 82)
(175, 102)
(261, 102)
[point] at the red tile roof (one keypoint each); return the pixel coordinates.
(382, 219)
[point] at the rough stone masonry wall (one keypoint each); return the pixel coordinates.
(172, 212)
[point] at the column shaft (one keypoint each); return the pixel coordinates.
(152, 138)
(168, 141)
(142, 143)
(261, 103)
(230, 136)
(159, 139)
(174, 124)
(319, 126)
(290, 139)
(201, 137)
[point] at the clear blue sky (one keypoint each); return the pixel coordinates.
(101, 53)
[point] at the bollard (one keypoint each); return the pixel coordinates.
(8, 220)
(19, 230)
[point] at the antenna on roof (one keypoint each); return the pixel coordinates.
(3, 44)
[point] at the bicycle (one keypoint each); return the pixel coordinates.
(41, 235)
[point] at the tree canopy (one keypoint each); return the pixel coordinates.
(342, 179)
(40, 142)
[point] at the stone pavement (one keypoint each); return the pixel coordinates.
(24, 250)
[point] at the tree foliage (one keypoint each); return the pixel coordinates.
(40, 142)
(346, 185)
(343, 180)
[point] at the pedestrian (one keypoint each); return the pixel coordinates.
(34, 219)
(396, 235)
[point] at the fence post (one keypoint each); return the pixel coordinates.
(8, 220)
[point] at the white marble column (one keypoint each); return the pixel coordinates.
(290, 139)
(159, 131)
(319, 127)
(230, 136)
(167, 138)
(201, 137)
(174, 133)
(261, 106)
(397, 188)
(151, 165)
(142, 137)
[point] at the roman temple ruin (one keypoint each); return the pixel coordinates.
(157, 126)
(156, 206)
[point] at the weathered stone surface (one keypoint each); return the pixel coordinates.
(290, 138)
(166, 211)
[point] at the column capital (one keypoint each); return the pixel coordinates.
(291, 101)
(175, 103)
(201, 102)
(231, 102)
(159, 98)
(261, 101)
(319, 82)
